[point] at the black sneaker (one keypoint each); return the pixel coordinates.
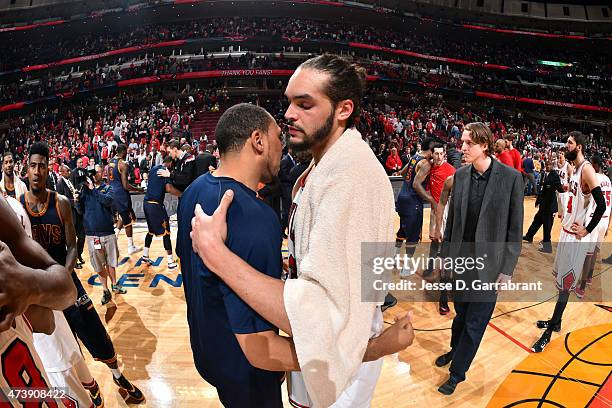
(545, 324)
(542, 342)
(449, 386)
(608, 260)
(146, 260)
(96, 399)
(78, 265)
(390, 301)
(443, 308)
(444, 359)
(106, 297)
(526, 238)
(129, 392)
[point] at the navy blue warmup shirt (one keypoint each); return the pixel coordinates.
(156, 185)
(214, 312)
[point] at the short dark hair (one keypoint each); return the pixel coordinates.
(580, 139)
(174, 144)
(238, 123)
(347, 81)
(7, 154)
(596, 159)
(167, 159)
(121, 149)
(438, 145)
(40, 148)
(428, 144)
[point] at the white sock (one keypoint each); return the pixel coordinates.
(145, 252)
(116, 372)
(131, 241)
(170, 258)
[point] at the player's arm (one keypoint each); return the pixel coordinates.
(446, 189)
(41, 319)
(173, 190)
(66, 214)
(123, 171)
(404, 171)
(589, 179)
(28, 275)
(423, 169)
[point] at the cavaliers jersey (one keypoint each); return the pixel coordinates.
(407, 195)
(114, 178)
(48, 227)
(563, 171)
(21, 365)
(156, 185)
(578, 203)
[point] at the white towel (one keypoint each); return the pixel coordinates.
(347, 200)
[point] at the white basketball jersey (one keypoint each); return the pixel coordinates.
(578, 203)
(21, 366)
(563, 171)
(21, 214)
(606, 190)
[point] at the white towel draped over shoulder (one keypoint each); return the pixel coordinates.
(347, 200)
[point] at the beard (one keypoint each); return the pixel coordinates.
(571, 156)
(310, 140)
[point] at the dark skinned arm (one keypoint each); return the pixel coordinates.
(41, 319)
(423, 169)
(124, 179)
(66, 214)
(28, 275)
(173, 190)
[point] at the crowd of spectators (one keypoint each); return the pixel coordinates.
(517, 51)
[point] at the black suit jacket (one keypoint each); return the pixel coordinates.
(63, 189)
(499, 228)
(203, 161)
(547, 197)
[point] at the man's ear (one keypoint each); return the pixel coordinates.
(257, 141)
(344, 109)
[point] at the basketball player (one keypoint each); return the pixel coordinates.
(564, 170)
(584, 187)
(50, 216)
(409, 203)
(10, 185)
(58, 351)
(597, 236)
(440, 171)
(28, 276)
(158, 221)
(118, 180)
(234, 348)
(325, 96)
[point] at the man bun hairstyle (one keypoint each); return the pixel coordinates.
(347, 80)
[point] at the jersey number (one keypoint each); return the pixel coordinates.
(608, 198)
(20, 371)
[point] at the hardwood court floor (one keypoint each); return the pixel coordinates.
(150, 333)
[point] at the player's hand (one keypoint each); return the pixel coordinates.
(15, 288)
(209, 232)
(163, 173)
(579, 230)
(398, 336)
(502, 278)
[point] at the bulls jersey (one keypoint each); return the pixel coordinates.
(48, 227)
(606, 190)
(563, 172)
(578, 203)
(21, 366)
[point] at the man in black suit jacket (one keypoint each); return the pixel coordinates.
(485, 221)
(205, 161)
(547, 207)
(66, 187)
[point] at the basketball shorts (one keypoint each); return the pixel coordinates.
(127, 216)
(569, 260)
(158, 221)
(69, 381)
(359, 392)
(411, 225)
(86, 324)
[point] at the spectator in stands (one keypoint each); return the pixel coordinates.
(393, 163)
